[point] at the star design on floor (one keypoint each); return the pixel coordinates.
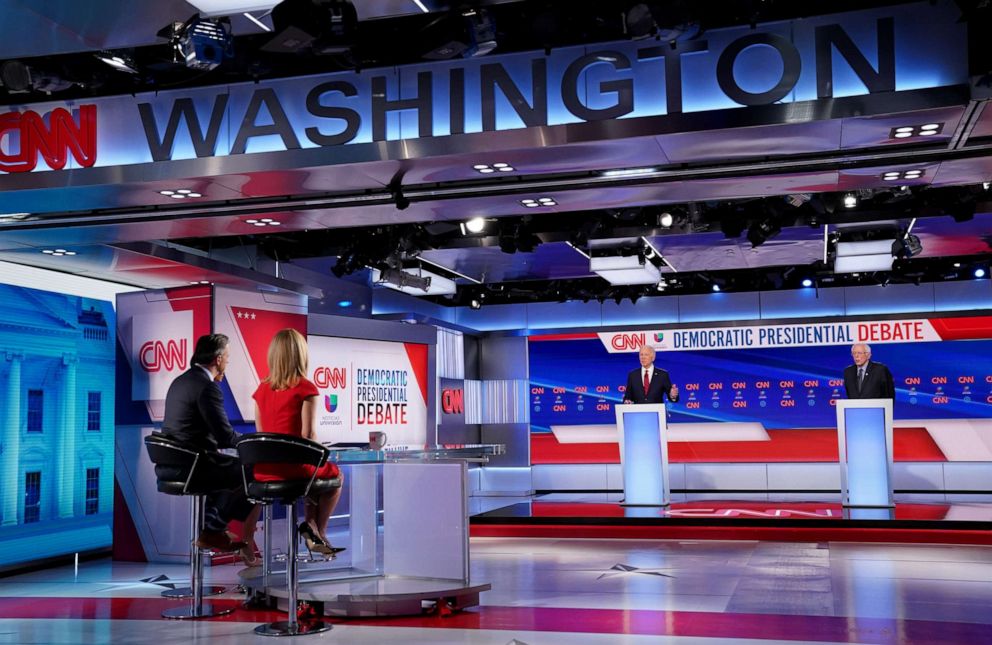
(159, 581)
(630, 570)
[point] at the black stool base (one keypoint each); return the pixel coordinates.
(301, 628)
(186, 592)
(206, 610)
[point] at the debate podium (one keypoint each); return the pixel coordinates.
(642, 432)
(864, 441)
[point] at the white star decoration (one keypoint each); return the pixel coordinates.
(628, 570)
(245, 315)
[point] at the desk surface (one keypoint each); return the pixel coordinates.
(344, 455)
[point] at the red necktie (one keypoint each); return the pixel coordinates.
(647, 383)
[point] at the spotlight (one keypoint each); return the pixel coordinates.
(201, 44)
(475, 225)
(850, 200)
(979, 272)
(469, 34)
(344, 303)
(807, 282)
(475, 304)
(666, 220)
(716, 287)
(325, 27)
(907, 246)
(761, 232)
(120, 62)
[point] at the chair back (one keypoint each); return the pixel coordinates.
(276, 448)
(163, 451)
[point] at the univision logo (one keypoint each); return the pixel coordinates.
(331, 402)
(659, 336)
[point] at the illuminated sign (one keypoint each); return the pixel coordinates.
(27, 131)
(453, 401)
(170, 355)
(877, 51)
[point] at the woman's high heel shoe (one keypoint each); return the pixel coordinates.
(313, 541)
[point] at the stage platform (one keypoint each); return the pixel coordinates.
(709, 517)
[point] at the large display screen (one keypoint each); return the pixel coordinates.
(766, 392)
(56, 424)
(576, 382)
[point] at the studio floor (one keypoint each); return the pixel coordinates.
(574, 591)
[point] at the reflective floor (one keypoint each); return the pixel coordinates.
(558, 591)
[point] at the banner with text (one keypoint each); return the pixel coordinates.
(916, 330)
(367, 386)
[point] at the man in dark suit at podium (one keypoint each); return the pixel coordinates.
(648, 384)
(867, 379)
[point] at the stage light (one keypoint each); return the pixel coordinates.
(850, 200)
(414, 281)
(628, 172)
(475, 225)
(470, 34)
(201, 44)
(716, 288)
(475, 304)
(666, 220)
(326, 27)
(925, 130)
(344, 303)
(120, 62)
(979, 272)
(807, 282)
(761, 232)
(631, 269)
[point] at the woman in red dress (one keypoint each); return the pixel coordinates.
(284, 403)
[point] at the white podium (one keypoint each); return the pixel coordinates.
(642, 431)
(864, 441)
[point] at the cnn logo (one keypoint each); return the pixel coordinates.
(453, 401)
(336, 377)
(54, 142)
(624, 342)
(156, 355)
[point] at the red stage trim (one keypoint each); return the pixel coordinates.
(798, 628)
(785, 446)
(585, 336)
(963, 328)
(417, 354)
(735, 532)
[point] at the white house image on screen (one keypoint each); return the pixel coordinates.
(56, 420)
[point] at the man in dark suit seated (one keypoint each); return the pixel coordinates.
(867, 379)
(648, 384)
(195, 418)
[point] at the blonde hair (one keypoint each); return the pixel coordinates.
(288, 359)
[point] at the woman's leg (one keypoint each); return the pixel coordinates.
(248, 535)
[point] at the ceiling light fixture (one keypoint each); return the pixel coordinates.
(265, 221)
(474, 225)
(628, 172)
(850, 200)
(539, 202)
(979, 272)
(924, 130)
(896, 175)
(807, 282)
(630, 269)
(666, 220)
(61, 252)
(180, 193)
(120, 62)
(488, 169)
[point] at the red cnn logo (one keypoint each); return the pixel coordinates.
(156, 355)
(453, 401)
(333, 378)
(623, 342)
(27, 132)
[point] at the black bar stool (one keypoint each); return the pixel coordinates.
(274, 448)
(166, 452)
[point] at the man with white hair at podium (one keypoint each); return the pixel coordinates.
(649, 384)
(867, 379)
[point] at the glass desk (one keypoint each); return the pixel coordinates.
(404, 521)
